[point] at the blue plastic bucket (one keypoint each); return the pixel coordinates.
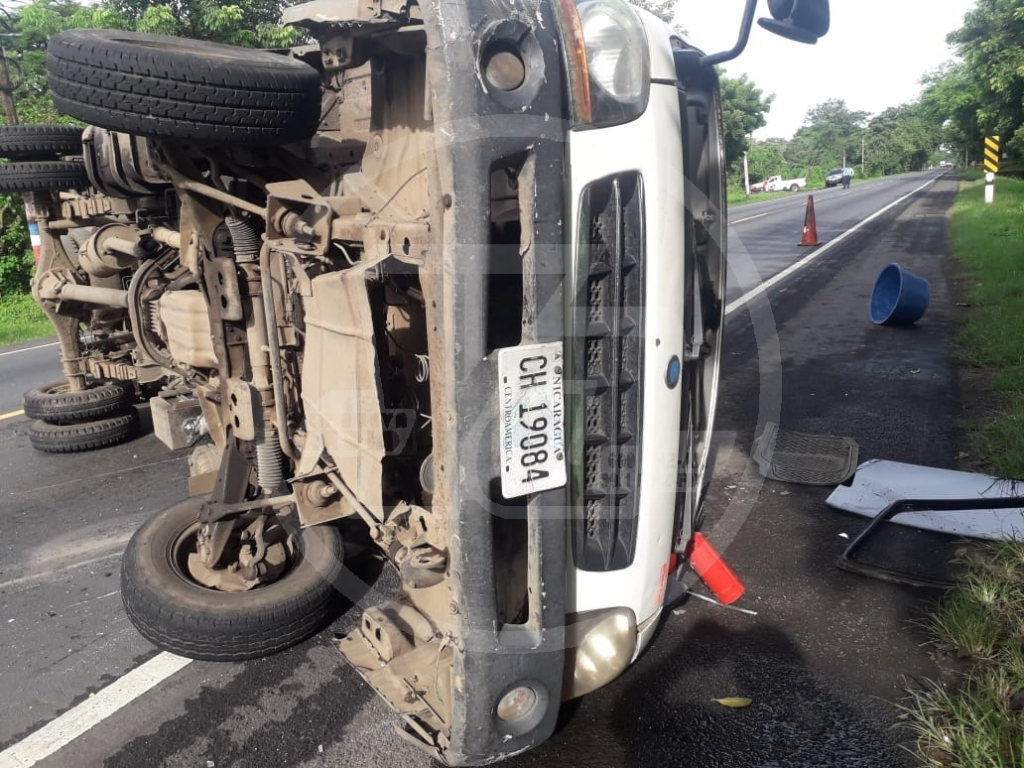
(899, 297)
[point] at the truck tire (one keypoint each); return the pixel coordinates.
(57, 404)
(177, 614)
(175, 88)
(88, 436)
(39, 142)
(794, 188)
(42, 176)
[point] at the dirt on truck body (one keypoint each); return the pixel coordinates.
(448, 282)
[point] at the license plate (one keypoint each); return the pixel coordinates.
(532, 419)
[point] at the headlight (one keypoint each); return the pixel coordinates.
(618, 60)
(599, 647)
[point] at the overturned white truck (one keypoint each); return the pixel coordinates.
(449, 283)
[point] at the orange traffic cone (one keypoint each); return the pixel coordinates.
(810, 225)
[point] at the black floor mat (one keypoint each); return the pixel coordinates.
(796, 457)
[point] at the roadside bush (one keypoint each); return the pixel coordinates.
(16, 262)
(15, 273)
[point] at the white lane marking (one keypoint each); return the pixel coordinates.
(28, 349)
(751, 218)
(10, 415)
(793, 268)
(91, 712)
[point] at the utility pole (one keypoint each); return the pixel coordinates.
(862, 155)
(6, 90)
(746, 174)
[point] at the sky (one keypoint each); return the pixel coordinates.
(873, 57)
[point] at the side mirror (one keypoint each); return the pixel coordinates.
(802, 20)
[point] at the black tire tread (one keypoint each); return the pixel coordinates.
(214, 634)
(225, 640)
(105, 398)
(41, 176)
(39, 142)
(165, 87)
(76, 438)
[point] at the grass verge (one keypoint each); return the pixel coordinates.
(987, 238)
(976, 719)
(737, 197)
(22, 320)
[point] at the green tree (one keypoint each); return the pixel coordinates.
(767, 158)
(951, 102)
(251, 23)
(16, 261)
(901, 139)
(991, 44)
(663, 9)
(831, 132)
(743, 111)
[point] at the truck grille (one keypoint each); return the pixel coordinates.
(609, 343)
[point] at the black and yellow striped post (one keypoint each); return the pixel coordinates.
(992, 155)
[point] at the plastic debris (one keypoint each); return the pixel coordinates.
(879, 483)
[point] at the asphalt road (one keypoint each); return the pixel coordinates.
(823, 658)
(23, 366)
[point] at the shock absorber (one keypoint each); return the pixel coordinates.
(245, 240)
(268, 462)
(246, 245)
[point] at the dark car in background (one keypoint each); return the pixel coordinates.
(834, 177)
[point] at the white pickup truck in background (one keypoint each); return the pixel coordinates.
(778, 184)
